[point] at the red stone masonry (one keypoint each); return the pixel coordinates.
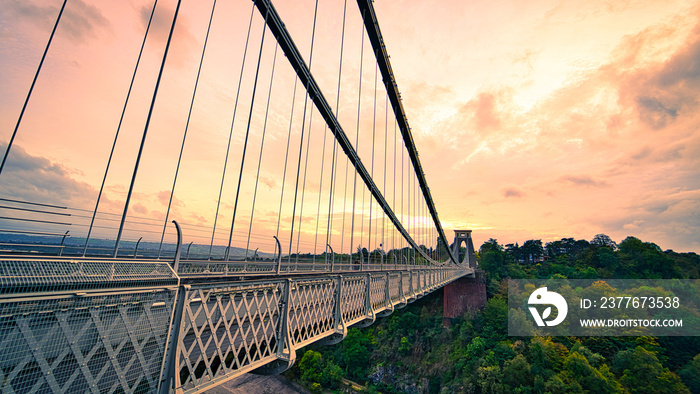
(463, 295)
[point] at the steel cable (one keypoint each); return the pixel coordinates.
(230, 135)
(187, 126)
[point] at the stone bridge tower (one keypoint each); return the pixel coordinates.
(464, 236)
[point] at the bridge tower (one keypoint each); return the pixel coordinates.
(464, 236)
(466, 293)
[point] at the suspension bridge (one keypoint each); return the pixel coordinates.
(224, 199)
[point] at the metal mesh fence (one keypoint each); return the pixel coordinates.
(97, 343)
(59, 275)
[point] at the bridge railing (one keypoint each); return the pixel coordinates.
(134, 326)
(83, 326)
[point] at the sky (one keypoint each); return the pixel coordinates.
(533, 120)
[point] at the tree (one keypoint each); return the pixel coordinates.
(532, 250)
(317, 372)
(604, 240)
(489, 379)
(310, 367)
(646, 260)
(691, 374)
(516, 372)
(490, 245)
(643, 373)
(577, 369)
(356, 354)
(377, 256)
(362, 254)
(495, 315)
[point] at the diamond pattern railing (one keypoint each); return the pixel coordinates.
(378, 292)
(83, 326)
(395, 287)
(311, 310)
(226, 330)
(353, 299)
(406, 284)
(106, 326)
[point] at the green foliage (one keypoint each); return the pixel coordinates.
(317, 372)
(643, 373)
(691, 374)
(495, 320)
(489, 379)
(577, 369)
(516, 372)
(405, 346)
(356, 353)
(646, 260)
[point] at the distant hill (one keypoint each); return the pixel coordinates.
(50, 245)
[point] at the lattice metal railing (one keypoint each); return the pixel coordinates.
(406, 284)
(227, 330)
(204, 269)
(378, 285)
(311, 310)
(83, 326)
(395, 287)
(353, 301)
(131, 326)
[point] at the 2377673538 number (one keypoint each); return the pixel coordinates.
(639, 302)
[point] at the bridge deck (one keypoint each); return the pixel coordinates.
(98, 325)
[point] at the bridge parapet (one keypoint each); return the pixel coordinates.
(83, 326)
(110, 329)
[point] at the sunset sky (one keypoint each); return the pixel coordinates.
(533, 120)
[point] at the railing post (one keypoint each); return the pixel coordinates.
(283, 333)
(176, 261)
(368, 295)
(136, 249)
(388, 306)
(284, 360)
(362, 259)
(170, 380)
(332, 257)
(387, 293)
(370, 316)
(279, 256)
(188, 250)
(60, 250)
(341, 330)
